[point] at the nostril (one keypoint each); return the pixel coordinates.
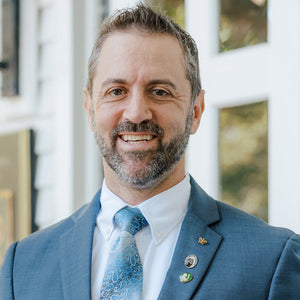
(137, 114)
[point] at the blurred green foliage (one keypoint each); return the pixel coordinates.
(173, 8)
(243, 157)
(242, 23)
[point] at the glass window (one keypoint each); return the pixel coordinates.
(243, 157)
(242, 23)
(173, 8)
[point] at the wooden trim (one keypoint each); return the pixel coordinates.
(6, 221)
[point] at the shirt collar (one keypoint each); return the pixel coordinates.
(167, 209)
(158, 210)
(110, 204)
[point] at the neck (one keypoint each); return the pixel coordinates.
(134, 196)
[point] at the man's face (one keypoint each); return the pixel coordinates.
(140, 110)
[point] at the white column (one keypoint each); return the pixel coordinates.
(284, 110)
(64, 169)
(202, 154)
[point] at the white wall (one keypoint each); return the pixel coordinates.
(45, 102)
(284, 94)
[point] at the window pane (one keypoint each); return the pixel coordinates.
(243, 157)
(242, 23)
(173, 8)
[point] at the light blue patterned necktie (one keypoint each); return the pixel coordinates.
(123, 278)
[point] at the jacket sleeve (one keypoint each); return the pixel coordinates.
(286, 280)
(6, 274)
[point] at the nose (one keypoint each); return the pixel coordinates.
(137, 109)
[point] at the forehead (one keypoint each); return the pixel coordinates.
(140, 35)
(136, 48)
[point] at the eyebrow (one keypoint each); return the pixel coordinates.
(113, 80)
(163, 81)
(151, 82)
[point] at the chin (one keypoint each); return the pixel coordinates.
(143, 180)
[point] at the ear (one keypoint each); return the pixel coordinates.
(88, 107)
(198, 111)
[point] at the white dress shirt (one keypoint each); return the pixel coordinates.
(156, 242)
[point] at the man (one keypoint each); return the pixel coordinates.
(143, 100)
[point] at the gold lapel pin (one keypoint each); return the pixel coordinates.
(202, 241)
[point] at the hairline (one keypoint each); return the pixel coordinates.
(136, 28)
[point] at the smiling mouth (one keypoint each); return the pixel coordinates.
(136, 139)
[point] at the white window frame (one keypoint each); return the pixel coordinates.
(16, 112)
(269, 71)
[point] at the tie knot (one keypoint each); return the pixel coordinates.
(130, 219)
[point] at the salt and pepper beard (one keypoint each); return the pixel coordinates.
(161, 161)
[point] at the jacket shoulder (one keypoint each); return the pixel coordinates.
(47, 240)
(54, 231)
(243, 222)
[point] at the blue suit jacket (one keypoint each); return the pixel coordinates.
(244, 258)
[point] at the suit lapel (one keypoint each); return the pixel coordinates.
(76, 253)
(202, 212)
(76, 247)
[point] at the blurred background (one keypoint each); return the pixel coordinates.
(246, 152)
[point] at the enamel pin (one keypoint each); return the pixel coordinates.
(191, 261)
(202, 241)
(185, 277)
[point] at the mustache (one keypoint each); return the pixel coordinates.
(145, 126)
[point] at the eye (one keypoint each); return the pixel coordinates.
(116, 92)
(160, 92)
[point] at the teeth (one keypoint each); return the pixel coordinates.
(136, 138)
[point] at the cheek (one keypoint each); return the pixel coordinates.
(173, 127)
(177, 117)
(105, 121)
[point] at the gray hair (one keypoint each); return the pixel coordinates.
(144, 18)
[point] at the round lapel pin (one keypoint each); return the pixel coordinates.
(191, 261)
(185, 277)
